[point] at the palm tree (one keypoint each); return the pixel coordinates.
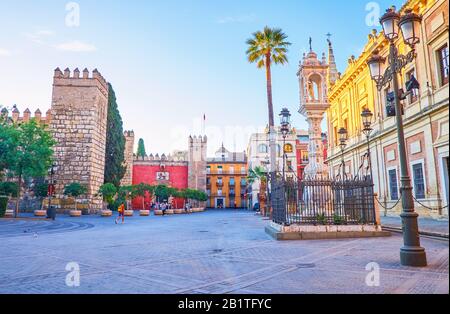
(259, 174)
(267, 47)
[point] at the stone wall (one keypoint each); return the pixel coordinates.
(197, 163)
(129, 149)
(79, 116)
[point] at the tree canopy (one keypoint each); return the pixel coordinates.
(141, 148)
(115, 142)
(75, 189)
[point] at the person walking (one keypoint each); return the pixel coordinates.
(121, 211)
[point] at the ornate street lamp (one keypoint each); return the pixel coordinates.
(411, 254)
(410, 26)
(285, 123)
(367, 116)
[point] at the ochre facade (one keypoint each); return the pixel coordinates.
(426, 115)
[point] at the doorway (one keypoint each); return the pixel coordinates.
(220, 203)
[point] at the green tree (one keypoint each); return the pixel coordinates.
(75, 190)
(9, 135)
(141, 190)
(163, 192)
(124, 194)
(141, 148)
(108, 192)
(115, 142)
(265, 48)
(32, 156)
(41, 191)
(8, 189)
(259, 174)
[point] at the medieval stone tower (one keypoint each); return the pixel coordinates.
(313, 77)
(129, 152)
(197, 162)
(79, 115)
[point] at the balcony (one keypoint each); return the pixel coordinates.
(219, 184)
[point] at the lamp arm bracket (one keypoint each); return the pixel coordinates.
(396, 64)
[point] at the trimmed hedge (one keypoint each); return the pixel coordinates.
(3, 205)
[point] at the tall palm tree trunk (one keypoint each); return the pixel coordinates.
(272, 131)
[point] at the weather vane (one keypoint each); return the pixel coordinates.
(329, 37)
(310, 44)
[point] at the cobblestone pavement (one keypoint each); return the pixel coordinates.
(425, 224)
(211, 252)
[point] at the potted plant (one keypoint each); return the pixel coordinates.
(7, 191)
(108, 192)
(259, 174)
(75, 190)
(41, 191)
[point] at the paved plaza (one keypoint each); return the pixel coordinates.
(211, 252)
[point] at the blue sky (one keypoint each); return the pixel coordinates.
(172, 61)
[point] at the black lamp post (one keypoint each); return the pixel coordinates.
(285, 123)
(343, 137)
(50, 192)
(367, 116)
(411, 254)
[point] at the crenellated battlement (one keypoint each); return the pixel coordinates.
(80, 79)
(177, 157)
(16, 117)
(198, 139)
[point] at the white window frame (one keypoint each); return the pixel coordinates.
(413, 163)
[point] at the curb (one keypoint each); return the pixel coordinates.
(422, 233)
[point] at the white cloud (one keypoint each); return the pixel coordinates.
(237, 19)
(4, 52)
(39, 36)
(76, 46)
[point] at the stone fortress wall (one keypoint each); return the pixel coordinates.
(78, 124)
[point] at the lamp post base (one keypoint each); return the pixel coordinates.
(413, 256)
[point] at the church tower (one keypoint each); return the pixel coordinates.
(332, 67)
(313, 77)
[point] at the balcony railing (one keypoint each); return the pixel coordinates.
(226, 173)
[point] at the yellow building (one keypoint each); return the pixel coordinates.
(226, 181)
(425, 117)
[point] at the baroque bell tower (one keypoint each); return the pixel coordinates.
(313, 75)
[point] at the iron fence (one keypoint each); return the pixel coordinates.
(324, 202)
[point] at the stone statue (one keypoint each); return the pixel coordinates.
(311, 94)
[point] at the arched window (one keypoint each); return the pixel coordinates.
(263, 149)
